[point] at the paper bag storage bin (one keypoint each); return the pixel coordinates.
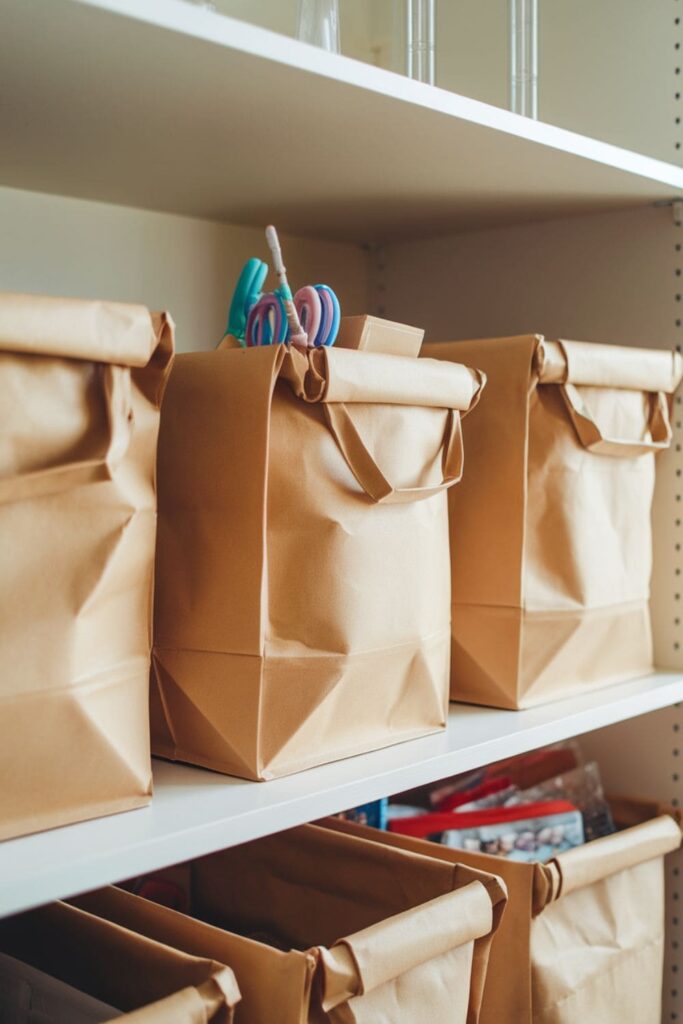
(321, 927)
(551, 549)
(582, 938)
(81, 385)
(75, 967)
(303, 581)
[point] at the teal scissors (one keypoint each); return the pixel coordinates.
(255, 318)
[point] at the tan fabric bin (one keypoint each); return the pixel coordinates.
(145, 981)
(81, 386)
(303, 598)
(551, 545)
(582, 938)
(366, 933)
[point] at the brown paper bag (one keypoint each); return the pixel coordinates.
(81, 386)
(582, 937)
(551, 545)
(303, 598)
(147, 982)
(325, 927)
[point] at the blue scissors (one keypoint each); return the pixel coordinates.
(319, 313)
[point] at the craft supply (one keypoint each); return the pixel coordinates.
(473, 794)
(373, 814)
(582, 787)
(267, 321)
(309, 310)
(297, 335)
(331, 320)
(310, 318)
(529, 832)
(247, 294)
(318, 309)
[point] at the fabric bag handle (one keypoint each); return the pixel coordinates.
(370, 958)
(368, 474)
(592, 438)
(198, 1005)
(108, 448)
(584, 865)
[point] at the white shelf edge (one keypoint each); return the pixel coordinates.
(195, 812)
(231, 33)
(442, 163)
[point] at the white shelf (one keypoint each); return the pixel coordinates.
(195, 812)
(163, 105)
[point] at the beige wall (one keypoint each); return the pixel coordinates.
(59, 246)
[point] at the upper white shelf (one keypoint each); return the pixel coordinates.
(163, 105)
(195, 812)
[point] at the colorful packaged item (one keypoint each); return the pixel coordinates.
(374, 814)
(581, 786)
(521, 771)
(527, 832)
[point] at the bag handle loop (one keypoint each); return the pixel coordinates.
(592, 438)
(368, 474)
(109, 448)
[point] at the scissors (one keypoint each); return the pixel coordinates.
(319, 313)
(256, 318)
(267, 321)
(247, 294)
(309, 318)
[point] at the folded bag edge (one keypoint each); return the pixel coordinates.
(585, 865)
(104, 332)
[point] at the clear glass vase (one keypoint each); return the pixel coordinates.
(318, 24)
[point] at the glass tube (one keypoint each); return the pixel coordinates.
(524, 57)
(420, 40)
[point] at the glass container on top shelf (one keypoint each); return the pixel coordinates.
(593, 66)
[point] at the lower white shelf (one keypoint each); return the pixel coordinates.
(196, 812)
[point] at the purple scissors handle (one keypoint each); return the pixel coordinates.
(309, 308)
(267, 321)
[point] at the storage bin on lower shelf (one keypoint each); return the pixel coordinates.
(321, 926)
(582, 938)
(61, 964)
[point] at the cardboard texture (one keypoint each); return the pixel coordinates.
(147, 982)
(551, 536)
(582, 938)
(81, 386)
(321, 927)
(303, 586)
(372, 334)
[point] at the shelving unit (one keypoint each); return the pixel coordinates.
(422, 160)
(154, 105)
(195, 812)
